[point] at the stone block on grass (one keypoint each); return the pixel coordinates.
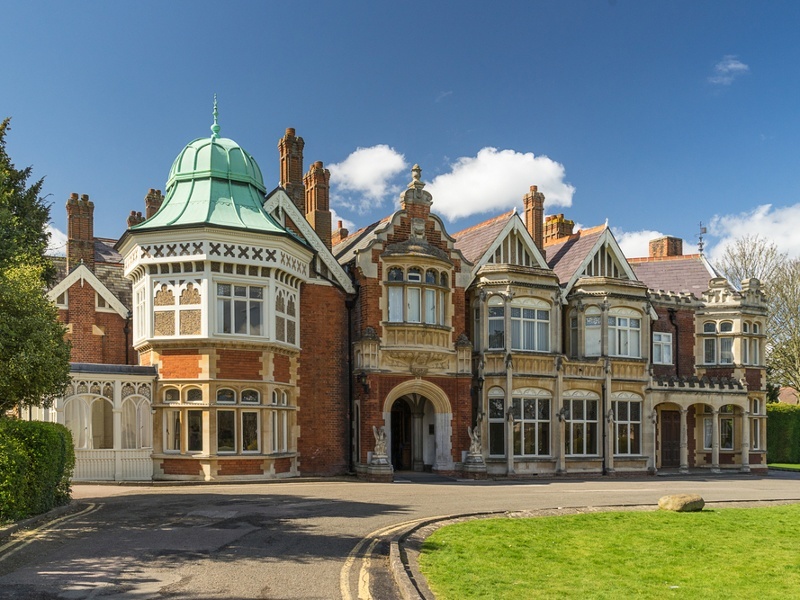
(682, 503)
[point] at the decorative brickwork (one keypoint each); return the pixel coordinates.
(176, 466)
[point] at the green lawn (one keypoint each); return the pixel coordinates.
(730, 553)
(789, 466)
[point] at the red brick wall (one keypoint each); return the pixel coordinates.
(238, 364)
(176, 466)
(323, 381)
(180, 364)
(754, 378)
(88, 347)
(240, 467)
(281, 363)
(683, 348)
(283, 465)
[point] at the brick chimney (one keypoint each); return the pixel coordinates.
(291, 152)
(135, 218)
(317, 204)
(533, 202)
(339, 235)
(556, 226)
(152, 202)
(80, 231)
(666, 246)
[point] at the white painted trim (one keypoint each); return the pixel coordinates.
(280, 200)
(606, 237)
(83, 274)
(514, 224)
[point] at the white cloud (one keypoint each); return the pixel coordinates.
(495, 180)
(777, 224)
(727, 70)
(443, 95)
(58, 242)
(362, 180)
(635, 244)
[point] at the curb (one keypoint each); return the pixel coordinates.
(7, 531)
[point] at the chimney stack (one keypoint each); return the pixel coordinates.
(80, 231)
(152, 202)
(666, 246)
(317, 202)
(339, 235)
(556, 226)
(291, 153)
(134, 218)
(533, 202)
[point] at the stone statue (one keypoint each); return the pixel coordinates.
(475, 445)
(380, 441)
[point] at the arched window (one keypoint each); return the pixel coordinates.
(395, 274)
(194, 395)
(137, 425)
(250, 397)
(172, 395)
(726, 343)
(226, 396)
(102, 424)
(76, 419)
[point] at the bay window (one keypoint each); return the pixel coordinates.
(627, 426)
(581, 427)
(624, 334)
(531, 426)
(240, 309)
(416, 297)
(530, 326)
(497, 422)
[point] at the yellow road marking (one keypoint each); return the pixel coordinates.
(28, 537)
(363, 576)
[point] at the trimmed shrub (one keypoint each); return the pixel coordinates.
(783, 433)
(36, 463)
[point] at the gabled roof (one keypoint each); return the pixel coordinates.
(480, 242)
(688, 274)
(570, 256)
(474, 241)
(82, 274)
(345, 250)
(279, 200)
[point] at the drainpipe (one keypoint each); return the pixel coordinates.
(604, 423)
(350, 305)
(126, 329)
(672, 312)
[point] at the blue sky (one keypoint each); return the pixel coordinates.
(653, 115)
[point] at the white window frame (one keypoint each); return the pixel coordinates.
(624, 423)
(624, 334)
(583, 424)
(227, 307)
(540, 420)
(242, 440)
(662, 345)
(496, 329)
(593, 332)
(530, 325)
(496, 421)
(175, 433)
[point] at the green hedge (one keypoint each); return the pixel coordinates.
(36, 463)
(783, 433)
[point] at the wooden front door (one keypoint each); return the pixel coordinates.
(401, 436)
(670, 439)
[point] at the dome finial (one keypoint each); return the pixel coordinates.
(215, 127)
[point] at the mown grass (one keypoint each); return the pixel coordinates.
(788, 466)
(730, 553)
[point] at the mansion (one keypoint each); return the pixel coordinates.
(232, 333)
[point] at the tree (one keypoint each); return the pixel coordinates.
(34, 357)
(783, 325)
(750, 256)
(755, 256)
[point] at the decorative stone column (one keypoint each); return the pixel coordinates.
(684, 467)
(715, 440)
(745, 467)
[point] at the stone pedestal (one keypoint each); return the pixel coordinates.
(380, 470)
(474, 467)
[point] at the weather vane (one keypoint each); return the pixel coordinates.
(700, 242)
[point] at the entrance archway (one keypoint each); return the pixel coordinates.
(417, 418)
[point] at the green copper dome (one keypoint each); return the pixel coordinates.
(213, 181)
